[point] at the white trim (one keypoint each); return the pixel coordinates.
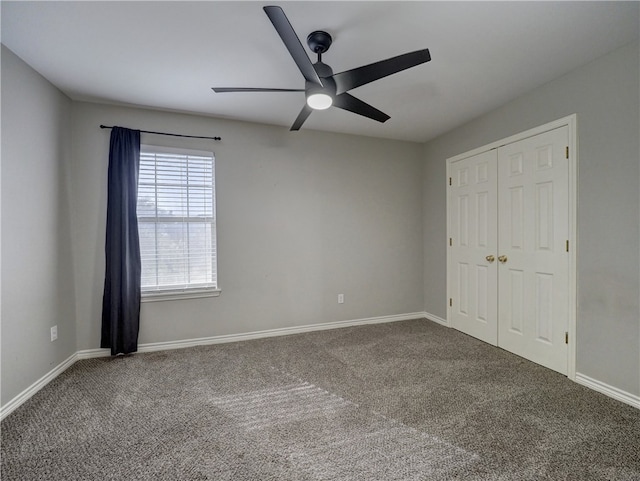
(93, 353)
(283, 331)
(612, 392)
(174, 295)
(36, 386)
(434, 318)
(25, 395)
(569, 121)
(159, 149)
(203, 341)
(572, 124)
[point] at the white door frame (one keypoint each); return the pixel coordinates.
(571, 122)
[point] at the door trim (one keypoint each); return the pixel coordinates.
(571, 123)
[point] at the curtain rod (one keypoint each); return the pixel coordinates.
(165, 133)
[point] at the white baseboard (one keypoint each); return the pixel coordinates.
(36, 386)
(12, 405)
(612, 392)
(92, 353)
(283, 331)
(434, 318)
(203, 341)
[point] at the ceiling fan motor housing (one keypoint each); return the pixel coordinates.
(328, 87)
(323, 70)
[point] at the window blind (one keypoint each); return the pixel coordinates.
(176, 219)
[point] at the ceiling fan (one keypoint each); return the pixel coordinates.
(323, 88)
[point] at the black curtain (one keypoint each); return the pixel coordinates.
(121, 298)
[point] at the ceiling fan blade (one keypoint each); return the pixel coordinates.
(348, 102)
(368, 73)
(292, 42)
(302, 116)
(220, 90)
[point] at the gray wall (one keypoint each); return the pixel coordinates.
(302, 217)
(605, 96)
(37, 278)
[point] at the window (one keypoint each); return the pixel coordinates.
(177, 223)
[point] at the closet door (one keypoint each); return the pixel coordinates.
(472, 268)
(533, 262)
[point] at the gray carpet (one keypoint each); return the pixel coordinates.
(401, 401)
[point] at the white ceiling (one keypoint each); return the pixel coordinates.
(168, 55)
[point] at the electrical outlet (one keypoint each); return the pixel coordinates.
(340, 298)
(54, 333)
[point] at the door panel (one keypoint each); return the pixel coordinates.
(533, 220)
(473, 232)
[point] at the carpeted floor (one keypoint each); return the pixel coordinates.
(401, 401)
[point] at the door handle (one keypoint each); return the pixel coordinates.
(490, 259)
(502, 259)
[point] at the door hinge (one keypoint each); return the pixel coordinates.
(450, 302)
(566, 152)
(450, 241)
(567, 246)
(449, 180)
(566, 338)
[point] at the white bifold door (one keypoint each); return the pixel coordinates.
(508, 262)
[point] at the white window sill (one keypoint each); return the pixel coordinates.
(152, 296)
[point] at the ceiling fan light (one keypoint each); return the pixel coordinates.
(319, 101)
